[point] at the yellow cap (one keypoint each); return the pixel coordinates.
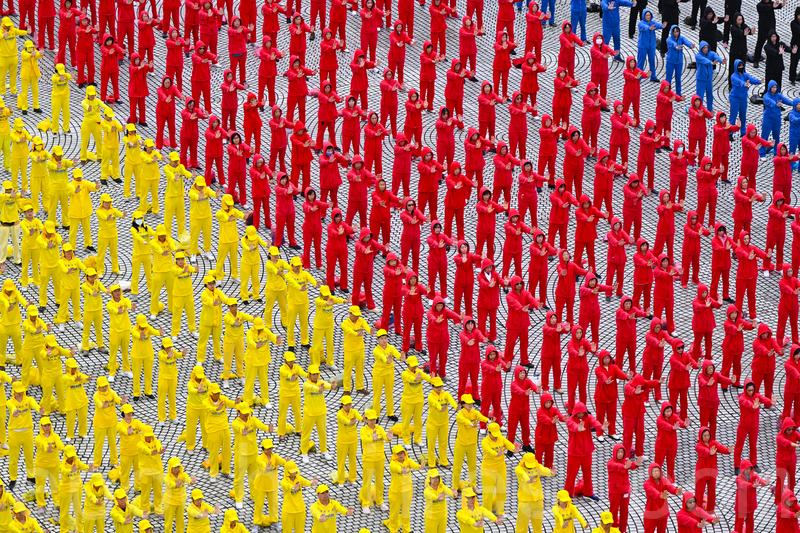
(258, 323)
(412, 361)
(313, 368)
(72, 363)
(50, 340)
(166, 342)
(148, 143)
(8, 184)
(8, 284)
(227, 199)
(563, 496)
(102, 381)
(127, 408)
(50, 226)
(57, 150)
(173, 462)
(174, 156)
(606, 518)
(295, 261)
(115, 287)
(18, 123)
(108, 112)
(147, 431)
(26, 206)
(398, 448)
(250, 231)
(529, 460)
(197, 494)
(32, 310)
(19, 507)
(467, 398)
(18, 387)
(145, 526)
(105, 197)
(494, 429)
(371, 414)
(273, 250)
(91, 90)
(37, 139)
(244, 408)
(199, 181)
(97, 479)
(355, 310)
(161, 231)
(267, 444)
(469, 492)
(381, 333)
(119, 494)
(322, 488)
(289, 356)
(199, 371)
(68, 247)
(347, 400)
(209, 278)
(437, 382)
(324, 291)
(180, 255)
(291, 467)
(45, 421)
(70, 451)
(214, 388)
(433, 472)
(77, 173)
(141, 320)
(90, 272)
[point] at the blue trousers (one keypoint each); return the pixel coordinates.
(705, 90)
(578, 18)
(675, 70)
(549, 7)
(739, 110)
(646, 55)
(794, 143)
(609, 34)
(770, 127)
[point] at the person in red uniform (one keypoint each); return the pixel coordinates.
(743, 196)
(664, 111)
(709, 381)
(298, 88)
(679, 161)
(721, 145)
(644, 262)
(690, 255)
(371, 17)
(789, 287)
(466, 263)
(721, 246)
(666, 446)
(469, 362)
(360, 182)
(489, 283)
(487, 114)
(705, 469)
(534, 34)
(366, 249)
(492, 385)
(779, 211)
(765, 350)
(438, 246)
(467, 46)
(438, 26)
(567, 271)
(326, 113)
(413, 123)
(252, 121)
(313, 213)
(454, 91)
(512, 245)
(529, 82)
(621, 124)
(747, 482)
(358, 80)
(606, 395)
(504, 163)
(665, 274)
(389, 87)
(215, 136)
(632, 89)
(459, 191)
(788, 513)
(328, 60)
(619, 485)
(172, 15)
(548, 149)
(566, 52)
(540, 252)
(752, 143)
(146, 36)
(192, 19)
(505, 17)
(563, 84)
(655, 341)
(604, 172)
(733, 344)
(707, 177)
(589, 314)
(530, 183)
(410, 241)
(580, 447)
(201, 73)
(177, 46)
(394, 275)
(698, 131)
(438, 335)
(475, 147)
(747, 272)
(591, 119)
(85, 52)
(209, 20)
(750, 404)
(633, 193)
(649, 142)
(46, 15)
(552, 331)
(560, 202)
(578, 350)
(656, 490)
(138, 88)
(680, 365)
(190, 133)
(626, 338)
(285, 191)
(518, 125)
(67, 17)
(787, 442)
(352, 115)
(703, 322)
(616, 256)
(268, 57)
(501, 65)
(301, 157)
(546, 432)
(427, 74)
(445, 137)
(637, 391)
(168, 93)
(520, 304)
(278, 140)
(519, 408)
(600, 53)
(336, 251)
(298, 32)
(260, 178)
(380, 216)
(692, 518)
(398, 41)
(783, 163)
(576, 151)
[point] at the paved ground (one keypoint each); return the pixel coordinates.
(318, 468)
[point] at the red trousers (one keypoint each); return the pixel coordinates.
(463, 291)
(639, 291)
(516, 333)
(285, 220)
(137, 102)
(619, 503)
(731, 359)
(652, 369)
(311, 239)
(708, 417)
(744, 523)
(545, 453)
(364, 278)
(211, 161)
(510, 257)
(189, 151)
(700, 338)
(718, 274)
(548, 364)
(666, 453)
(46, 27)
(392, 305)
(332, 257)
(484, 314)
(633, 426)
(259, 203)
(163, 119)
(519, 417)
(679, 396)
(655, 525)
(437, 354)
(468, 368)
(491, 406)
(666, 305)
(576, 380)
(437, 268)
(784, 473)
(701, 483)
(607, 410)
(751, 434)
(577, 463)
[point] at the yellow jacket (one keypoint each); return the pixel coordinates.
(105, 412)
(133, 148)
(119, 314)
(60, 84)
(267, 477)
(472, 520)
(258, 351)
(176, 487)
(71, 476)
(141, 241)
(142, 345)
(217, 419)
(75, 392)
(276, 272)
(52, 359)
(494, 452)
(211, 310)
(412, 385)
(289, 382)
(9, 207)
(373, 442)
(384, 360)
(94, 505)
(565, 518)
(93, 296)
(352, 340)
(48, 448)
(198, 392)
(227, 225)
(325, 516)
(401, 475)
(346, 422)
(149, 165)
(438, 414)
(71, 268)
(199, 206)
(19, 413)
(31, 525)
(111, 128)
(29, 70)
(434, 507)
(35, 329)
(31, 229)
(467, 433)
(49, 250)
(92, 109)
(198, 517)
(245, 435)
(314, 394)
(39, 159)
(10, 307)
(163, 255)
(182, 286)
(130, 435)
(168, 364)
(19, 145)
(107, 222)
(529, 482)
(234, 325)
(80, 204)
(298, 286)
(293, 501)
(8, 42)
(251, 253)
(175, 180)
(323, 316)
(58, 171)
(123, 518)
(7, 502)
(150, 462)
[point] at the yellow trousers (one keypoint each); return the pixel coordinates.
(25, 360)
(494, 485)
(142, 364)
(19, 172)
(399, 511)
(530, 514)
(167, 389)
(173, 514)
(437, 435)
(69, 296)
(107, 244)
(259, 497)
(436, 524)
(207, 332)
(52, 382)
(3, 426)
(346, 453)
(109, 166)
(411, 412)
(141, 263)
(13, 233)
(298, 312)
(58, 197)
(193, 417)
(196, 227)
(293, 522)
(243, 465)
(353, 359)
(43, 475)
(28, 85)
(11, 332)
(383, 391)
(250, 279)
(152, 483)
(119, 341)
(161, 280)
(181, 304)
(20, 440)
(175, 208)
(128, 464)
(219, 442)
(231, 350)
(373, 471)
(90, 128)
(80, 418)
(309, 423)
(92, 319)
(30, 264)
(128, 172)
(251, 373)
(86, 231)
(231, 251)
(92, 524)
(49, 274)
(273, 297)
(66, 519)
(60, 107)
(148, 187)
(100, 436)
(40, 198)
(284, 403)
(468, 452)
(319, 336)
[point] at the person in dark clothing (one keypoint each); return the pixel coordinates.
(698, 6)
(795, 46)
(708, 28)
(766, 24)
(774, 50)
(635, 16)
(739, 31)
(670, 16)
(732, 7)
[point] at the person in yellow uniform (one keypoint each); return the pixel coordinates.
(257, 359)
(354, 328)
(80, 209)
(168, 380)
(346, 441)
(411, 401)
(245, 450)
(59, 98)
(51, 371)
(9, 62)
(530, 498)
(5, 134)
(20, 152)
(606, 524)
(325, 510)
(69, 269)
(438, 423)
(290, 374)
(466, 447)
(401, 490)
(176, 480)
(58, 178)
(436, 494)
(373, 441)
(183, 296)
(49, 257)
(211, 299)
(228, 244)
(119, 331)
(9, 223)
(90, 124)
(218, 431)
(23, 522)
(29, 74)
(493, 469)
(130, 431)
(32, 343)
(96, 494)
(231, 524)
(200, 217)
(250, 280)
(275, 289)
(7, 502)
(315, 412)
(142, 255)
(195, 409)
(565, 514)
(163, 249)
(77, 403)
(48, 448)
(175, 193)
(293, 514)
(93, 290)
(40, 195)
(10, 324)
(265, 486)
(123, 512)
(383, 374)
(298, 281)
(143, 356)
(472, 517)
(109, 164)
(70, 490)
(233, 341)
(30, 228)
(200, 513)
(133, 160)
(151, 177)
(107, 234)
(323, 327)
(151, 470)
(105, 422)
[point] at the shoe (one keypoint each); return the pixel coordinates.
(12, 484)
(384, 507)
(128, 374)
(327, 456)
(239, 505)
(196, 335)
(225, 384)
(594, 498)
(153, 317)
(111, 379)
(268, 405)
(305, 458)
(601, 438)
(736, 471)
(365, 510)
(393, 418)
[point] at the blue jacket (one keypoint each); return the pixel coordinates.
(577, 6)
(675, 54)
(739, 83)
(794, 120)
(611, 13)
(772, 100)
(705, 63)
(647, 37)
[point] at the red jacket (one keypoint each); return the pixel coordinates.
(438, 328)
(703, 311)
(746, 501)
(664, 101)
(679, 365)
(580, 430)
(706, 465)
(689, 521)
(786, 453)
(656, 507)
(520, 391)
(697, 119)
(517, 303)
(748, 256)
(552, 331)
(708, 385)
(546, 417)
(734, 338)
(619, 481)
(489, 286)
(636, 393)
(605, 390)
(617, 240)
